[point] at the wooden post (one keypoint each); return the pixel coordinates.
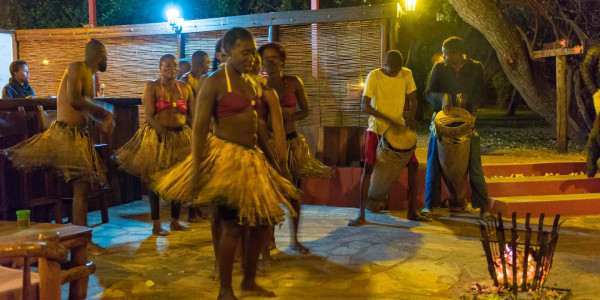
(393, 42)
(93, 23)
(314, 5)
(274, 34)
(182, 42)
(92, 13)
(384, 39)
(561, 104)
(49, 271)
(178, 46)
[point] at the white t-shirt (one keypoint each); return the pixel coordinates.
(387, 96)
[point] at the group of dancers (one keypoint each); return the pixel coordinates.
(226, 140)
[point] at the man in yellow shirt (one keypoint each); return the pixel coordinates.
(385, 92)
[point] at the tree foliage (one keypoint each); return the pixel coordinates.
(34, 14)
(25, 14)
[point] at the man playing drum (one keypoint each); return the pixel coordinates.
(385, 92)
(455, 75)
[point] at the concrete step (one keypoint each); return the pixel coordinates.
(343, 189)
(565, 205)
(537, 169)
(542, 185)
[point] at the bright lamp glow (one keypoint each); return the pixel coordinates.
(410, 5)
(45, 62)
(173, 15)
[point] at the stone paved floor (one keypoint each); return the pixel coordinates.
(391, 259)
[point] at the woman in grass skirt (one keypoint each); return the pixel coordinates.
(164, 140)
(228, 169)
(291, 96)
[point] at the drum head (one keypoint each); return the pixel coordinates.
(456, 124)
(400, 137)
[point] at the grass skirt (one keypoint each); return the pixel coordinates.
(301, 163)
(66, 148)
(149, 151)
(232, 175)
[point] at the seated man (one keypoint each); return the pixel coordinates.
(18, 85)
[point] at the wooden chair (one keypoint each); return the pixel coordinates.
(101, 195)
(44, 285)
(13, 129)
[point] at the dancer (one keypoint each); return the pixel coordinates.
(220, 56)
(292, 95)
(227, 168)
(200, 67)
(164, 140)
(66, 145)
(184, 67)
(590, 69)
(455, 75)
(195, 78)
(271, 123)
(386, 90)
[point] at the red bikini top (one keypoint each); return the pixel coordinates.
(233, 103)
(161, 104)
(289, 99)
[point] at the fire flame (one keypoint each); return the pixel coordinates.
(508, 258)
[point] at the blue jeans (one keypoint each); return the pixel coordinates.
(433, 176)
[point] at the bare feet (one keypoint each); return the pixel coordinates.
(357, 222)
(259, 271)
(215, 275)
(226, 295)
(300, 248)
(157, 229)
(267, 260)
(178, 226)
(253, 290)
(194, 220)
(414, 216)
(268, 263)
(95, 250)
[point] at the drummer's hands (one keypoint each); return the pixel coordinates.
(446, 103)
(394, 123)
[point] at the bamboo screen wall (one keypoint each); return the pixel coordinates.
(347, 51)
(206, 41)
(131, 62)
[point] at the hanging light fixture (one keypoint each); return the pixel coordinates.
(410, 5)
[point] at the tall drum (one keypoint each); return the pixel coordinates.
(453, 133)
(393, 153)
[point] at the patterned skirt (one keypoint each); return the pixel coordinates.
(64, 147)
(238, 177)
(149, 151)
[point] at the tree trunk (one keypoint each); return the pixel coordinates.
(513, 55)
